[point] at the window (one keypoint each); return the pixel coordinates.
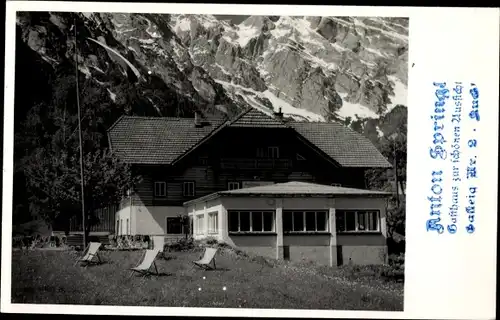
(300, 157)
(251, 221)
(121, 226)
(126, 230)
(303, 221)
(117, 227)
(200, 224)
(213, 222)
(336, 185)
(174, 225)
(260, 153)
(188, 189)
(203, 161)
(273, 152)
(233, 185)
(357, 221)
(160, 189)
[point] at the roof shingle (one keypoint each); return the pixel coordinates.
(154, 140)
(252, 118)
(344, 145)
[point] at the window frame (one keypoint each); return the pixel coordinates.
(184, 184)
(260, 153)
(273, 155)
(198, 218)
(367, 212)
(211, 215)
(291, 214)
(203, 160)
(251, 213)
(166, 226)
(157, 195)
(232, 183)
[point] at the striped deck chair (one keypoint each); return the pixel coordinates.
(90, 253)
(159, 243)
(207, 259)
(144, 266)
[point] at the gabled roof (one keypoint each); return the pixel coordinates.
(155, 140)
(293, 189)
(346, 146)
(253, 118)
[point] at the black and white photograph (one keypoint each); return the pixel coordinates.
(215, 161)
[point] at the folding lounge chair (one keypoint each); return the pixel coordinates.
(159, 243)
(90, 253)
(208, 258)
(145, 265)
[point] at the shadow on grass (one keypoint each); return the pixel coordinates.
(214, 270)
(152, 275)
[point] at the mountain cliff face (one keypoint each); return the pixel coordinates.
(314, 68)
(317, 67)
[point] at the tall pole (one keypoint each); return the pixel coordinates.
(396, 172)
(80, 139)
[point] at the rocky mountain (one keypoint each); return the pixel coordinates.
(313, 68)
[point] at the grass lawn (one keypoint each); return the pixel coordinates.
(51, 277)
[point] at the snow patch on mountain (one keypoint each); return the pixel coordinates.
(400, 93)
(182, 24)
(277, 103)
(245, 34)
(112, 95)
(354, 110)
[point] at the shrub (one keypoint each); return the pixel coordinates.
(395, 269)
(182, 244)
(211, 241)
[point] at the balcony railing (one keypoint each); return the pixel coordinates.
(248, 163)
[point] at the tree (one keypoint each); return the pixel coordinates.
(53, 179)
(51, 163)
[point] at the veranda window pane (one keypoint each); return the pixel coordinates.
(268, 221)
(321, 221)
(310, 221)
(244, 221)
(373, 221)
(257, 221)
(361, 221)
(298, 221)
(287, 221)
(350, 220)
(233, 221)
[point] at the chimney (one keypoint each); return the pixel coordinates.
(279, 114)
(197, 119)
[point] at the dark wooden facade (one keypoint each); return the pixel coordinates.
(105, 216)
(243, 154)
